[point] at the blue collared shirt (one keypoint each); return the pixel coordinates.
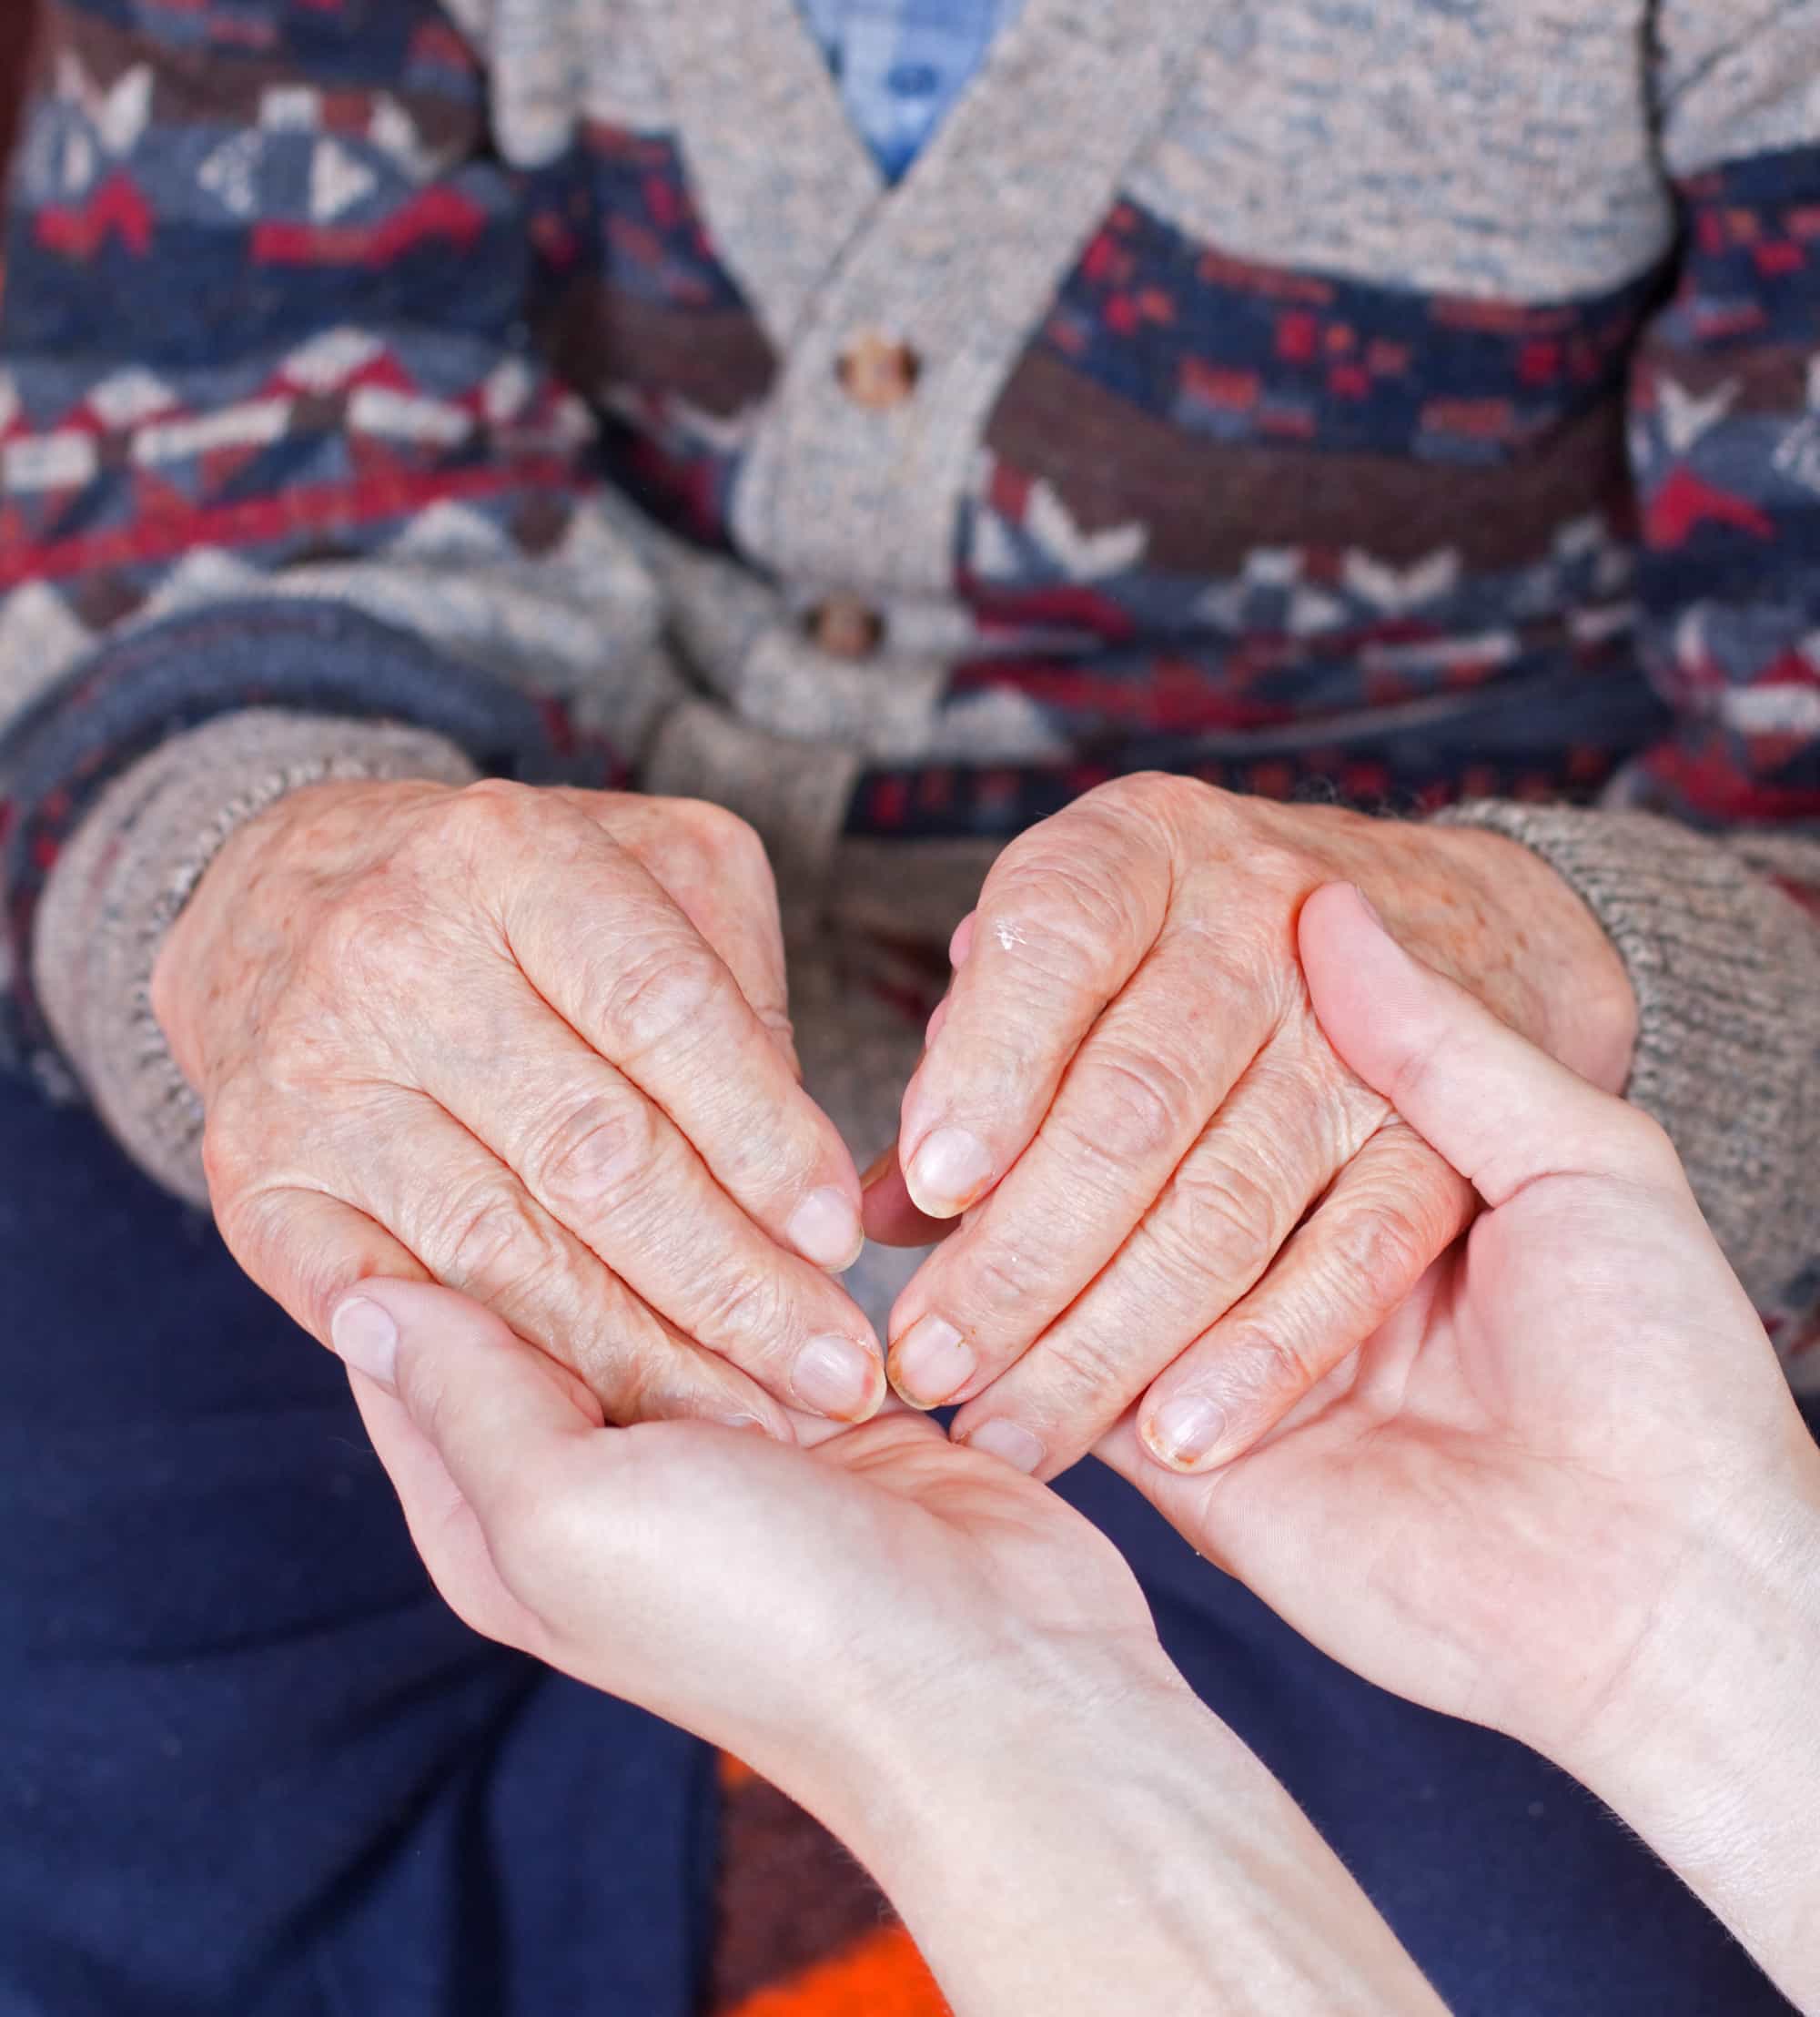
(901, 65)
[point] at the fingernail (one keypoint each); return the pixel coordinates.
(826, 1228)
(748, 1424)
(364, 1337)
(948, 1172)
(835, 1377)
(931, 1362)
(1184, 1430)
(880, 1166)
(1010, 1441)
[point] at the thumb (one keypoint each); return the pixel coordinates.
(1501, 1111)
(497, 1411)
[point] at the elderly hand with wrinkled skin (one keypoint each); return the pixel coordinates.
(1169, 1188)
(531, 1044)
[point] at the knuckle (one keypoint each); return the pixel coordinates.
(1153, 816)
(1152, 794)
(1276, 861)
(1275, 1359)
(488, 1238)
(489, 804)
(468, 832)
(752, 1305)
(377, 941)
(590, 1324)
(1180, 1273)
(1379, 1254)
(597, 1155)
(1060, 921)
(1226, 1218)
(1083, 1371)
(657, 991)
(349, 944)
(1000, 1281)
(725, 839)
(1138, 1106)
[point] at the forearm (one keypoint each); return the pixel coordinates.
(1130, 1855)
(1713, 1753)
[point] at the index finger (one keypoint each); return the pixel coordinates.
(617, 959)
(1065, 919)
(714, 868)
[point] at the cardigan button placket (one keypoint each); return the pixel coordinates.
(879, 372)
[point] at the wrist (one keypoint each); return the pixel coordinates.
(1012, 1739)
(1739, 1617)
(1555, 970)
(1706, 1744)
(898, 1767)
(1113, 1847)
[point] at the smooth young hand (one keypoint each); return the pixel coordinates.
(1564, 1491)
(937, 1656)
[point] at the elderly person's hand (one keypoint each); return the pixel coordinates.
(1178, 1176)
(937, 1657)
(532, 1043)
(1564, 1491)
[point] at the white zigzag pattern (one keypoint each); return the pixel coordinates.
(1686, 416)
(117, 115)
(1083, 556)
(338, 181)
(330, 359)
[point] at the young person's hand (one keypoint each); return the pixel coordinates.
(1170, 1178)
(1564, 1490)
(534, 1044)
(935, 1655)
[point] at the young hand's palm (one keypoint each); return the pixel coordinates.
(1480, 1508)
(711, 1575)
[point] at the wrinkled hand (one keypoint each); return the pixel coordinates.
(1542, 1476)
(788, 1605)
(532, 1044)
(1175, 1185)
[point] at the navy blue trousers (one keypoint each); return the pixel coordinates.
(249, 1766)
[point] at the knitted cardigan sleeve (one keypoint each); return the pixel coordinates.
(286, 490)
(1706, 870)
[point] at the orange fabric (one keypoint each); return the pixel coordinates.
(734, 1773)
(882, 1975)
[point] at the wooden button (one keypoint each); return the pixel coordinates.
(845, 627)
(879, 373)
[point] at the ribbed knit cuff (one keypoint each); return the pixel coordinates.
(130, 868)
(1726, 973)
